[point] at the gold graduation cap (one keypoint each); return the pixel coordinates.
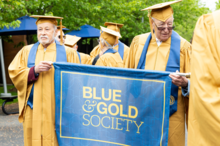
(114, 26)
(161, 11)
(71, 40)
(109, 35)
(50, 19)
(58, 27)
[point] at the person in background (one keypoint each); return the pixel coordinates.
(58, 34)
(108, 56)
(122, 49)
(71, 41)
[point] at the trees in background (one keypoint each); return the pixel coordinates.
(95, 12)
(10, 10)
(217, 5)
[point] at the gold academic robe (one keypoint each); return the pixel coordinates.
(39, 123)
(110, 60)
(156, 59)
(96, 51)
(84, 57)
(204, 101)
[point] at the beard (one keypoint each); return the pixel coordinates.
(47, 41)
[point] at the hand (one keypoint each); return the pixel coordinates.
(179, 80)
(43, 66)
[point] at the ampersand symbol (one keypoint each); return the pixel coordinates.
(89, 107)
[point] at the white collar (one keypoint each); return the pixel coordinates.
(158, 42)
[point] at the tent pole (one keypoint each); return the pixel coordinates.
(3, 71)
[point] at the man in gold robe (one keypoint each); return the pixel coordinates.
(108, 56)
(121, 48)
(33, 76)
(164, 50)
(204, 101)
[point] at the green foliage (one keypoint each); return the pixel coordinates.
(84, 42)
(8, 38)
(186, 15)
(20, 44)
(95, 12)
(12, 90)
(10, 10)
(217, 5)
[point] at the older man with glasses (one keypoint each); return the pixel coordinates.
(164, 50)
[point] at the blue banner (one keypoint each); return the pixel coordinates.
(99, 106)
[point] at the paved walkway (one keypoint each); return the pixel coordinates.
(11, 131)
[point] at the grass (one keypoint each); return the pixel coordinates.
(13, 93)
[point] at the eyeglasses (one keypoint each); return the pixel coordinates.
(105, 42)
(163, 28)
(63, 36)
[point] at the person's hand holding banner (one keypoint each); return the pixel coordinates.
(43, 66)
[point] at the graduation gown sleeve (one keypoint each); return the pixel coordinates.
(72, 55)
(93, 54)
(84, 58)
(18, 72)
